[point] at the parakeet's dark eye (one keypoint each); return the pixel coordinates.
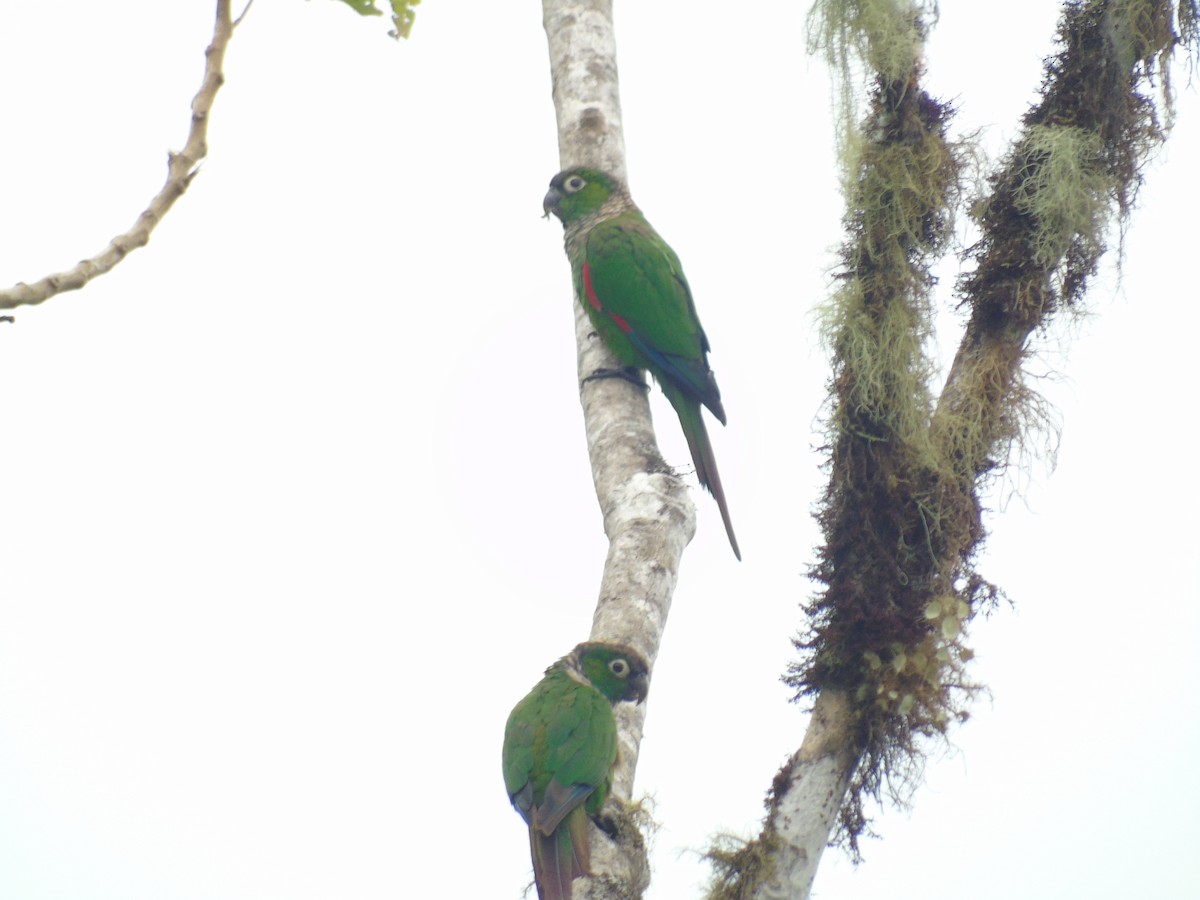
(619, 667)
(574, 183)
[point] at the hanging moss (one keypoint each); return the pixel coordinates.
(888, 624)
(739, 866)
(1063, 191)
(901, 517)
(885, 34)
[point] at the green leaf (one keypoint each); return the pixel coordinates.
(403, 14)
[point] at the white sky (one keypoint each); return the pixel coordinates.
(296, 505)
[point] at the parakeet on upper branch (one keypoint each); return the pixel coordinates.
(560, 746)
(631, 284)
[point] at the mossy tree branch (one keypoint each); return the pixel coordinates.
(882, 631)
(884, 653)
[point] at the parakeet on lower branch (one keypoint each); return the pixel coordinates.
(560, 746)
(632, 286)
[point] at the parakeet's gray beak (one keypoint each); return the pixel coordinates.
(550, 204)
(639, 686)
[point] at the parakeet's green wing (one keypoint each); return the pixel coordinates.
(634, 284)
(559, 746)
(518, 756)
(582, 762)
(637, 297)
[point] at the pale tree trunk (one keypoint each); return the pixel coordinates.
(805, 814)
(648, 514)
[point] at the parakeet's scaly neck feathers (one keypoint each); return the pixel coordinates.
(613, 205)
(571, 665)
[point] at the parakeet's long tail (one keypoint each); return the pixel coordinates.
(692, 421)
(561, 856)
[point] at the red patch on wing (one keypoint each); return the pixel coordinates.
(595, 301)
(589, 290)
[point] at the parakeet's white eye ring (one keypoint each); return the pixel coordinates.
(619, 667)
(574, 183)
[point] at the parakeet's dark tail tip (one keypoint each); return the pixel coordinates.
(561, 856)
(729, 531)
(712, 481)
(692, 420)
(728, 525)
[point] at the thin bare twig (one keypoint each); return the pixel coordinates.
(238, 20)
(181, 168)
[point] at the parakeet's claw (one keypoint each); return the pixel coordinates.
(608, 823)
(632, 374)
(619, 817)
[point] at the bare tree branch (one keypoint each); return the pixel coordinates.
(181, 169)
(242, 15)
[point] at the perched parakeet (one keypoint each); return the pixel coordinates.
(632, 286)
(560, 746)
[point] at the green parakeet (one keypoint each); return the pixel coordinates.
(560, 746)
(632, 286)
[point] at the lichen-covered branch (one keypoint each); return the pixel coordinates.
(881, 632)
(648, 514)
(884, 653)
(1074, 168)
(181, 168)
(878, 566)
